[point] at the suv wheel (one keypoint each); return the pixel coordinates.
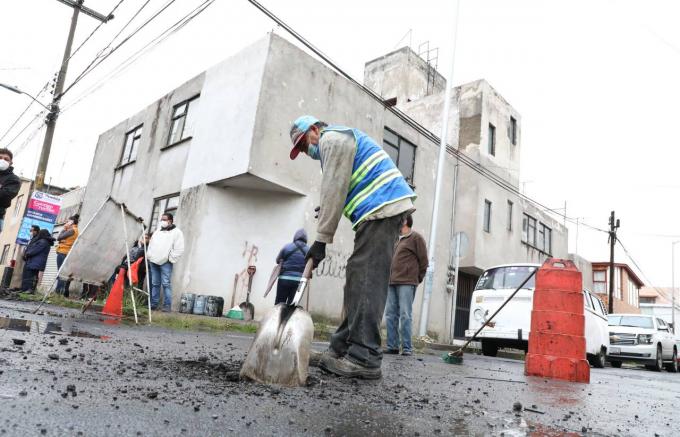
(658, 365)
(673, 366)
(616, 364)
(489, 349)
(599, 359)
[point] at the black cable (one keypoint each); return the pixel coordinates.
(151, 44)
(38, 115)
(94, 31)
(472, 164)
(24, 111)
(97, 60)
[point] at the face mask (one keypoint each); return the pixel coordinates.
(4, 165)
(164, 224)
(313, 152)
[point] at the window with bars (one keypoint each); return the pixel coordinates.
(183, 120)
(163, 205)
(529, 230)
(402, 152)
(132, 140)
(17, 205)
(544, 238)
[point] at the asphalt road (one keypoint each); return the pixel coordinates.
(80, 376)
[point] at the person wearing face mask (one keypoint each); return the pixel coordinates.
(361, 182)
(66, 238)
(9, 183)
(35, 256)
(165, 249)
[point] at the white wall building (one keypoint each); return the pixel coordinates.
(215, 152)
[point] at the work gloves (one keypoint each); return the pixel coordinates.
(316, 253)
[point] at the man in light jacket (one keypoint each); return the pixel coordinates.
(165, 249)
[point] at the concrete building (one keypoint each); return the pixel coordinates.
(215, 152)
(626, 286)
(656, 301)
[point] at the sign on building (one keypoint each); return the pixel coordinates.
(42, 211)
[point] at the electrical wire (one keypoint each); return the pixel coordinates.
(24, 111)
(642, 273)
(97, 60)
(93, 32)
(37, 116)
(160, 38)
(465, 159)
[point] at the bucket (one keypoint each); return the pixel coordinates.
(235, 313)
(199, 305)
(186, 304)
(214, 306)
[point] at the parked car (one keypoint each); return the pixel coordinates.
(510, 328)
(642, 339)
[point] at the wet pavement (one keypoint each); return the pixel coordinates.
(75, 375)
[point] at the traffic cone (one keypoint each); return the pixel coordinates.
(114, 303)
(134, 271)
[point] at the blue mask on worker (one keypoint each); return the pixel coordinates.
(313, 152)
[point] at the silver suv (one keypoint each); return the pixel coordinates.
(641, 339)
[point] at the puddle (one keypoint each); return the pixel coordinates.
(48, 328)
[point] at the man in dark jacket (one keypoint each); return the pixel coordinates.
(292, 260)
(9, 183)
(36, 254)
(409, 265)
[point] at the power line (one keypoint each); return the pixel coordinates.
(97, 60)
(24, 111)
(37, 116)
(101, 23)
(160, 38)
(468, 161)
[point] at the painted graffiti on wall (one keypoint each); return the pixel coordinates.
(333, 266)
(249, 255)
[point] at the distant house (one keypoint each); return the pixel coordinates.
(656, 301)
(626, 286)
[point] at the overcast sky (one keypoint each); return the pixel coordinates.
(596, 83)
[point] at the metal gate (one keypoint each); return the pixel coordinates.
(466, 285)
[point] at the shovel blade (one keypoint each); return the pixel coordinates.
(280, 352)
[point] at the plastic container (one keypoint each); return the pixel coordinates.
(199, 305)
(186, 304)
(214, 306)
(235, 313)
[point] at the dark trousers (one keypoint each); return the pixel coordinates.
(365, 294)
(62, 286)
(29, 279)
(285, 290)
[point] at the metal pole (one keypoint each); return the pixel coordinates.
(613, 225)
(127, 258)
(148, 272)
(455, 288)
(429, 276)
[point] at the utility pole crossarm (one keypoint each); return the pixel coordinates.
(85, 10)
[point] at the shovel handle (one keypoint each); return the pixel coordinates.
(307, 273)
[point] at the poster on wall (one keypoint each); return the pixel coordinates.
(42, 211)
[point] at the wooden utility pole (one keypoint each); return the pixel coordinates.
(613, 226)
(51, 119)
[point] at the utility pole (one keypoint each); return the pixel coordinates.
(51, 119)
(675, 331)
(613, 226)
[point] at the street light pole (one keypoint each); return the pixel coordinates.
(51, 119)
(18, 91)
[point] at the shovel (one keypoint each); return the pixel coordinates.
(280, 352)
(247, 307)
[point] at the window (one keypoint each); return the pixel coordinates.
(600, 281)
(647, 300)
(183, 120)
(164, 205)
(5, 253)
(544, 238)
(633, 294)
(17, 205)
(132, 140)
(617, 282)
(509, 215)
(513, 131)
(529, 230)
(487, 216)
(402, 152)
(492, 139)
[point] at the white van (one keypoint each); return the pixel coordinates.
(510, 328)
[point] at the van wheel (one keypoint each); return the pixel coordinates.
(616, 364)
(599, 359)
(673, 366)
(489, 349)
(658, 364)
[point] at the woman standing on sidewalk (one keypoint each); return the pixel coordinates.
(66, 238)
(35, 256)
